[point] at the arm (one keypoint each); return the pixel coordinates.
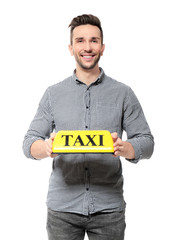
(35, 145)
(139, 137)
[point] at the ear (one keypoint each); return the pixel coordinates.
(70, 49)
(102, 50)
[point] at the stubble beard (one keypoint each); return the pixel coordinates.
(85, 67)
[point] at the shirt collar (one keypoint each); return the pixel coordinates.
(97, 81)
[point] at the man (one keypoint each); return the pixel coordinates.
(86, 190)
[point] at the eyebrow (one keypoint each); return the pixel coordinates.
(81, 38)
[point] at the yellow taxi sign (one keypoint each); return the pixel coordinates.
(84, 141)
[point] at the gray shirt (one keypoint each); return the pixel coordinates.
(88, 183)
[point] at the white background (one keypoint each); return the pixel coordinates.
(34, 54)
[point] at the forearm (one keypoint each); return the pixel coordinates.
(128, 150)
(38, 149)
(42, 149)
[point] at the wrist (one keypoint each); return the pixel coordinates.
(38, 149)
(130, 153)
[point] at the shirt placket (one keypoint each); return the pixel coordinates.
(87, 106)
(88, 200)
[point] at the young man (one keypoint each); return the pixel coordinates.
(86, 190)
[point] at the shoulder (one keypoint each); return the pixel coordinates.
(57, 89)
(120, 89)
(116, 85)
(60, 85)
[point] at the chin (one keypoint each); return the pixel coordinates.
(88, 67)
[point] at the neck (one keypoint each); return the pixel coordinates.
(87, 76)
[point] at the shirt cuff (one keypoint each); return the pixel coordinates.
(137, 150)
(27, 146)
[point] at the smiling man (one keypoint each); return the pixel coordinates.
(86, 190)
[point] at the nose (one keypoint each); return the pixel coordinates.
(87, 46)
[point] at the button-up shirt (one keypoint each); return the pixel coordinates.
(89, 183)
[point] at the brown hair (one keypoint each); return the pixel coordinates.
(83, 20)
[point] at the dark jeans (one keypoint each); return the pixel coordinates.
(72, 226)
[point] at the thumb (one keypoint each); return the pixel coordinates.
(114, 136)
(52, 136)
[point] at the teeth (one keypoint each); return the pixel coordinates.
(87, 56)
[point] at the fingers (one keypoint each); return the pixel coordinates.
(49, 147)
(49, 143)
(117, 154)
(122, 148)
(53, 155)
(116, 139)
(114, 136)
(118, 144)
(52, 136)
(118, 150)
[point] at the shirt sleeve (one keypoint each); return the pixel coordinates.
(137, 129)
(41, 126)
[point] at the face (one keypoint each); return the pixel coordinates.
(86, 46)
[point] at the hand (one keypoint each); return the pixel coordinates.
(48, 146)
(42, 149)
(122, 148)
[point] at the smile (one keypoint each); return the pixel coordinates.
(88, 57)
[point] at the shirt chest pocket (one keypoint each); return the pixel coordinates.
(108, 116)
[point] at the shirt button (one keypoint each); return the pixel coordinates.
(87, 188)
(86, 126)
(87, 107)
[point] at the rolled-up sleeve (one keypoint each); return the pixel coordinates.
(41, 126)
(137, 129)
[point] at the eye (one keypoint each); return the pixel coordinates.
(79, 40)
